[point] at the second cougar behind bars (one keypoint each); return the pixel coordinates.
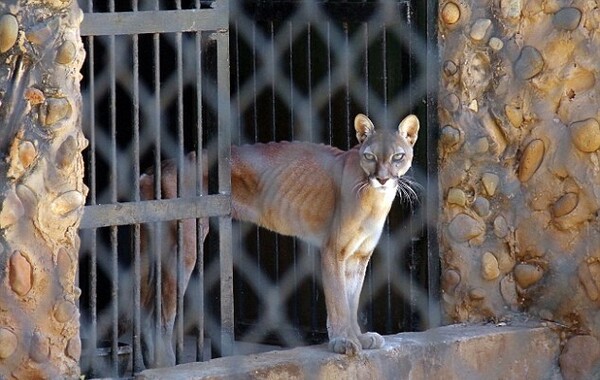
(337, 200)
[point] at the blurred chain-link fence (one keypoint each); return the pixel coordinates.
(164, 78)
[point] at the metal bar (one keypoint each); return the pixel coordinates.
(93, 276)
(413, 230)
(224, 135)
(153, 21)
(113, 197)
(157, 237)
(433, 258)
(200, 354)
(125, 213)
(138, 361)
(180, 291)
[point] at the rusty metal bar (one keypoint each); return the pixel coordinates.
(156, 21)
(225, 229)
(138, 362)
(180, 291)
(124, 213)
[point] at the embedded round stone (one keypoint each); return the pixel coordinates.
(12, 210)
(527, 274)
(531, 159)
(585, 135)
(464, 228)
(9, 31)
(74, 348)
(480, 28)
(64, 264)
(506, 262)
(450, 280)
(481, 207)
(477, 294)
(450, 13)
(66, 152)
(20, 275)
(457, 197)
(451, 102)
(565, 205)
(489, 266)
(8, 343)
(39, 350)
(490, 183)
(64, 311)
(27, 153)
(514, 115)
(67, 202)
(496, 43)
(508, 291)
(567, 18)
(450, 68)
(500, 227)
(529, 64)
(66, 53)
(54, 110)
(449, 136)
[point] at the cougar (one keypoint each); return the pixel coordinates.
(336, 200)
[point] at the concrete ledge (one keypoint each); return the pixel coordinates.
(451, 352)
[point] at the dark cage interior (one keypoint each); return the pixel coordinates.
(298, 70)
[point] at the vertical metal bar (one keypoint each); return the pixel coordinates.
(93, 276)
(138, 364)
(370, 277)
(329, 92)
(413, 254)
(157, 237)
(309, 79)
(180, 191)
(224, 133)
(347, 84)
(433, 258)
(310, 250)
(388, 253)
(291, 67)
(200, 354)
(256, 137)
(113, 199)
(296, 317)
(274, 137)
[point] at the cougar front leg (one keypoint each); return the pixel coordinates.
(356, 267)
(342, 336)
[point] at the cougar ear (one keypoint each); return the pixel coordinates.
(364, 127)
(409, 128)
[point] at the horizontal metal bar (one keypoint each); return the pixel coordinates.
(117, 214)
(188, 20)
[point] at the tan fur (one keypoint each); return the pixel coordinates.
(337, 200)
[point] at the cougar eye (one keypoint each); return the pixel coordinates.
(369, 156)
(398, 157)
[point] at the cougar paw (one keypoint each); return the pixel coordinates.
(371, 340)
(345, 346)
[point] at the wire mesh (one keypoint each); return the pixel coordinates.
(159, 85)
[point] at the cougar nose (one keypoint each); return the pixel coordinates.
(383, 180)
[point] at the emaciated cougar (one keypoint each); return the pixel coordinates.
(337, 200)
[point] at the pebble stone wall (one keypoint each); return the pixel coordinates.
(520, 168)
(41, 189)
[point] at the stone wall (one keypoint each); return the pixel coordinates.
(519, 165)
(41, 188)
